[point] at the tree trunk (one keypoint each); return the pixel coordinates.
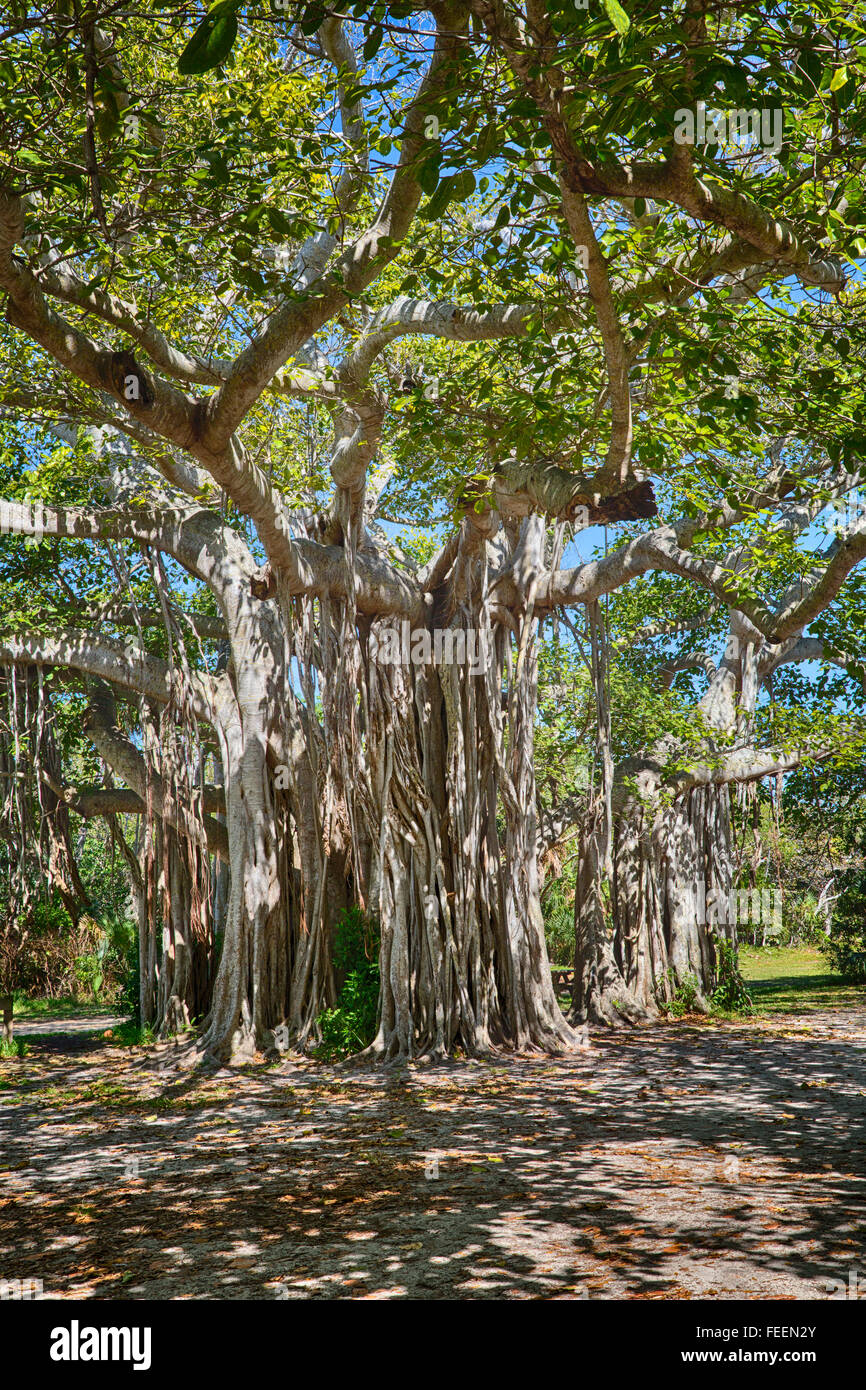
(673, 881)
(463, 958)
(600, 994)
(187, 935)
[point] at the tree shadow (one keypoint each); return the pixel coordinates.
(672, 1162)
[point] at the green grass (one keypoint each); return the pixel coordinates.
(132, 1034)
(795, 979)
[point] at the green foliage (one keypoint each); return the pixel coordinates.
(111, 965)
(42, 951)
(14, 1047)
(850, 964)
(731, 994)
(90, 968)
(558, 908)
(682, 998)
(37, 948)
(212, 41)
(351, 1024)
(802, 923)
(133, 1033)
(845, 948)
(104, 877)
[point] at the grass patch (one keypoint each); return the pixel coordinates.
(132, 1034)
(795, 979)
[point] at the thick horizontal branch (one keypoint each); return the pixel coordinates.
(123, 615)
(691, 661)
(744, 765)
(648, 775)
(109, 660)
(666, 549)
(90, 802)
(63, 285)
(673, 180)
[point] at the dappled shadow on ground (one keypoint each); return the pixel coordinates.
(672, 1162)
(72, 1033)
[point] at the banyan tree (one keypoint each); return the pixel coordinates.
(305, 713)
(658, 884)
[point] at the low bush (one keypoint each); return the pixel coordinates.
(351, 1024)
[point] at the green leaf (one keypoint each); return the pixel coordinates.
(617, 16)
(464, 185)
(312, 17)
(428, 174)
(839, 78)
(280, 223)
(212, 41)
(373, 43)
(440, 199)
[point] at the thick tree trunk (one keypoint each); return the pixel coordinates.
(437, 893)
(606, 990)
(601, 994)
(464, 960)
(187, 935)
(251, 987)
(536, 1019)
(671, 869)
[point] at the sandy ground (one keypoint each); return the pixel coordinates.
(679, 1161)
(66, 1028)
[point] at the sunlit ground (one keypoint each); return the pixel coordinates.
(704, 1158)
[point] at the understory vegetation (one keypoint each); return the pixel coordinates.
(350, 1025)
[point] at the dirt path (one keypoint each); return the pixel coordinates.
(676, 1162)
(76, 1026)
(75, 1034)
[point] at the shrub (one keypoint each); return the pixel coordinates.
(38, 948)
(123, 937)
(731, 993)
(44, 955)
(351, 1024)
(109, 969)
(845, 947)
(559, 924)
(134, 1034)
(802, 923)
(682, 1000)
